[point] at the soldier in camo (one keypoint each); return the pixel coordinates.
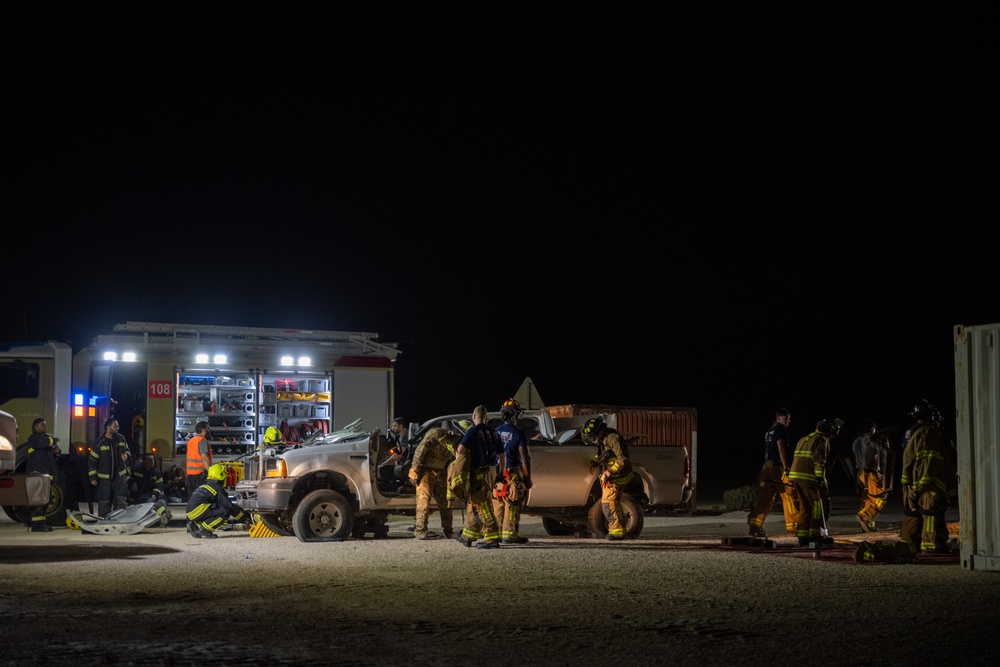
(429, 474)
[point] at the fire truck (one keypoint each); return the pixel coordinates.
(160, 380)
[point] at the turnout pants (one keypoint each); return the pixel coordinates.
(611, 505)
(480, 522)
(508, 511)
(433, 485)
(811, 521)
(872, 485)
(769, 488)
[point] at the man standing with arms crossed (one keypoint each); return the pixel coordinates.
(42, 452)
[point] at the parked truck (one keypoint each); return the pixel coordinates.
(331, 488)
(160, 379)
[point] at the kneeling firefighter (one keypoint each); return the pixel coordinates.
(209, 506)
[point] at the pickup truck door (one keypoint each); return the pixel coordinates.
(560, 475)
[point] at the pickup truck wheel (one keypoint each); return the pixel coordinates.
(271, 522)
(323, 516)
(62, 496)
(17, 513)
(634, 518)
(555, 527)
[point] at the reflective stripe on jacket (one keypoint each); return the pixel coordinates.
(106, 458)
(809, 459)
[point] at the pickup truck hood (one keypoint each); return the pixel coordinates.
(351, 452)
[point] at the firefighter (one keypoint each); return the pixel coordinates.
(42, 452)
(515, 466)
(616, 471)
(477, 455)
(429, 474)
(273, 437)
(808, 478)
(870, 454)
(929, 475)
(109, 469)
(773, 479)
(147, 487)
(199, 456)
(209, 505)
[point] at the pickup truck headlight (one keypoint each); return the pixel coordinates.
(278, 469)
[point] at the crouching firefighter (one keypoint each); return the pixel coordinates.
(616, 471)
(147, 487)
(209, 505)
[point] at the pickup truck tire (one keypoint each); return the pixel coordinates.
(323, 516)
(555, 527)
(273, 523)
(634, 518)
(62, 496)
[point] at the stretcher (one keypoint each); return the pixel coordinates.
(128, 521)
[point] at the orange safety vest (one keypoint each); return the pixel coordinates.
(195, 466)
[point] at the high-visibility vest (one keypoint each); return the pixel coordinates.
(195, 466)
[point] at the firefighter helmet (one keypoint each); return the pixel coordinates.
(510, 410)
(592, 427)
(922, 409)
(272, 436)
(218, 472)
(829, 427)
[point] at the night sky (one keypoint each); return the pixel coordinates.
(630, 213)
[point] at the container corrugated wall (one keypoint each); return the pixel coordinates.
(661, 426)
(977, 402)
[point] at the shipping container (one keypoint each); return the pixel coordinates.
(977, 402)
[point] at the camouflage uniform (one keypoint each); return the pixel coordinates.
(429, 474)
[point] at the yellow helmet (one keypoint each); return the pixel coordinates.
(218, 472)
(272, 436)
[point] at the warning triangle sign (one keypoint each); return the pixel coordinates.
(527, 396)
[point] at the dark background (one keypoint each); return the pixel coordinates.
(728, 213)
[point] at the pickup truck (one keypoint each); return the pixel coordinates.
(333, 487)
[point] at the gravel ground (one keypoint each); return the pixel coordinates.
(676, 595)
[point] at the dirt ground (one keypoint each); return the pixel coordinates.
(677, 595)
